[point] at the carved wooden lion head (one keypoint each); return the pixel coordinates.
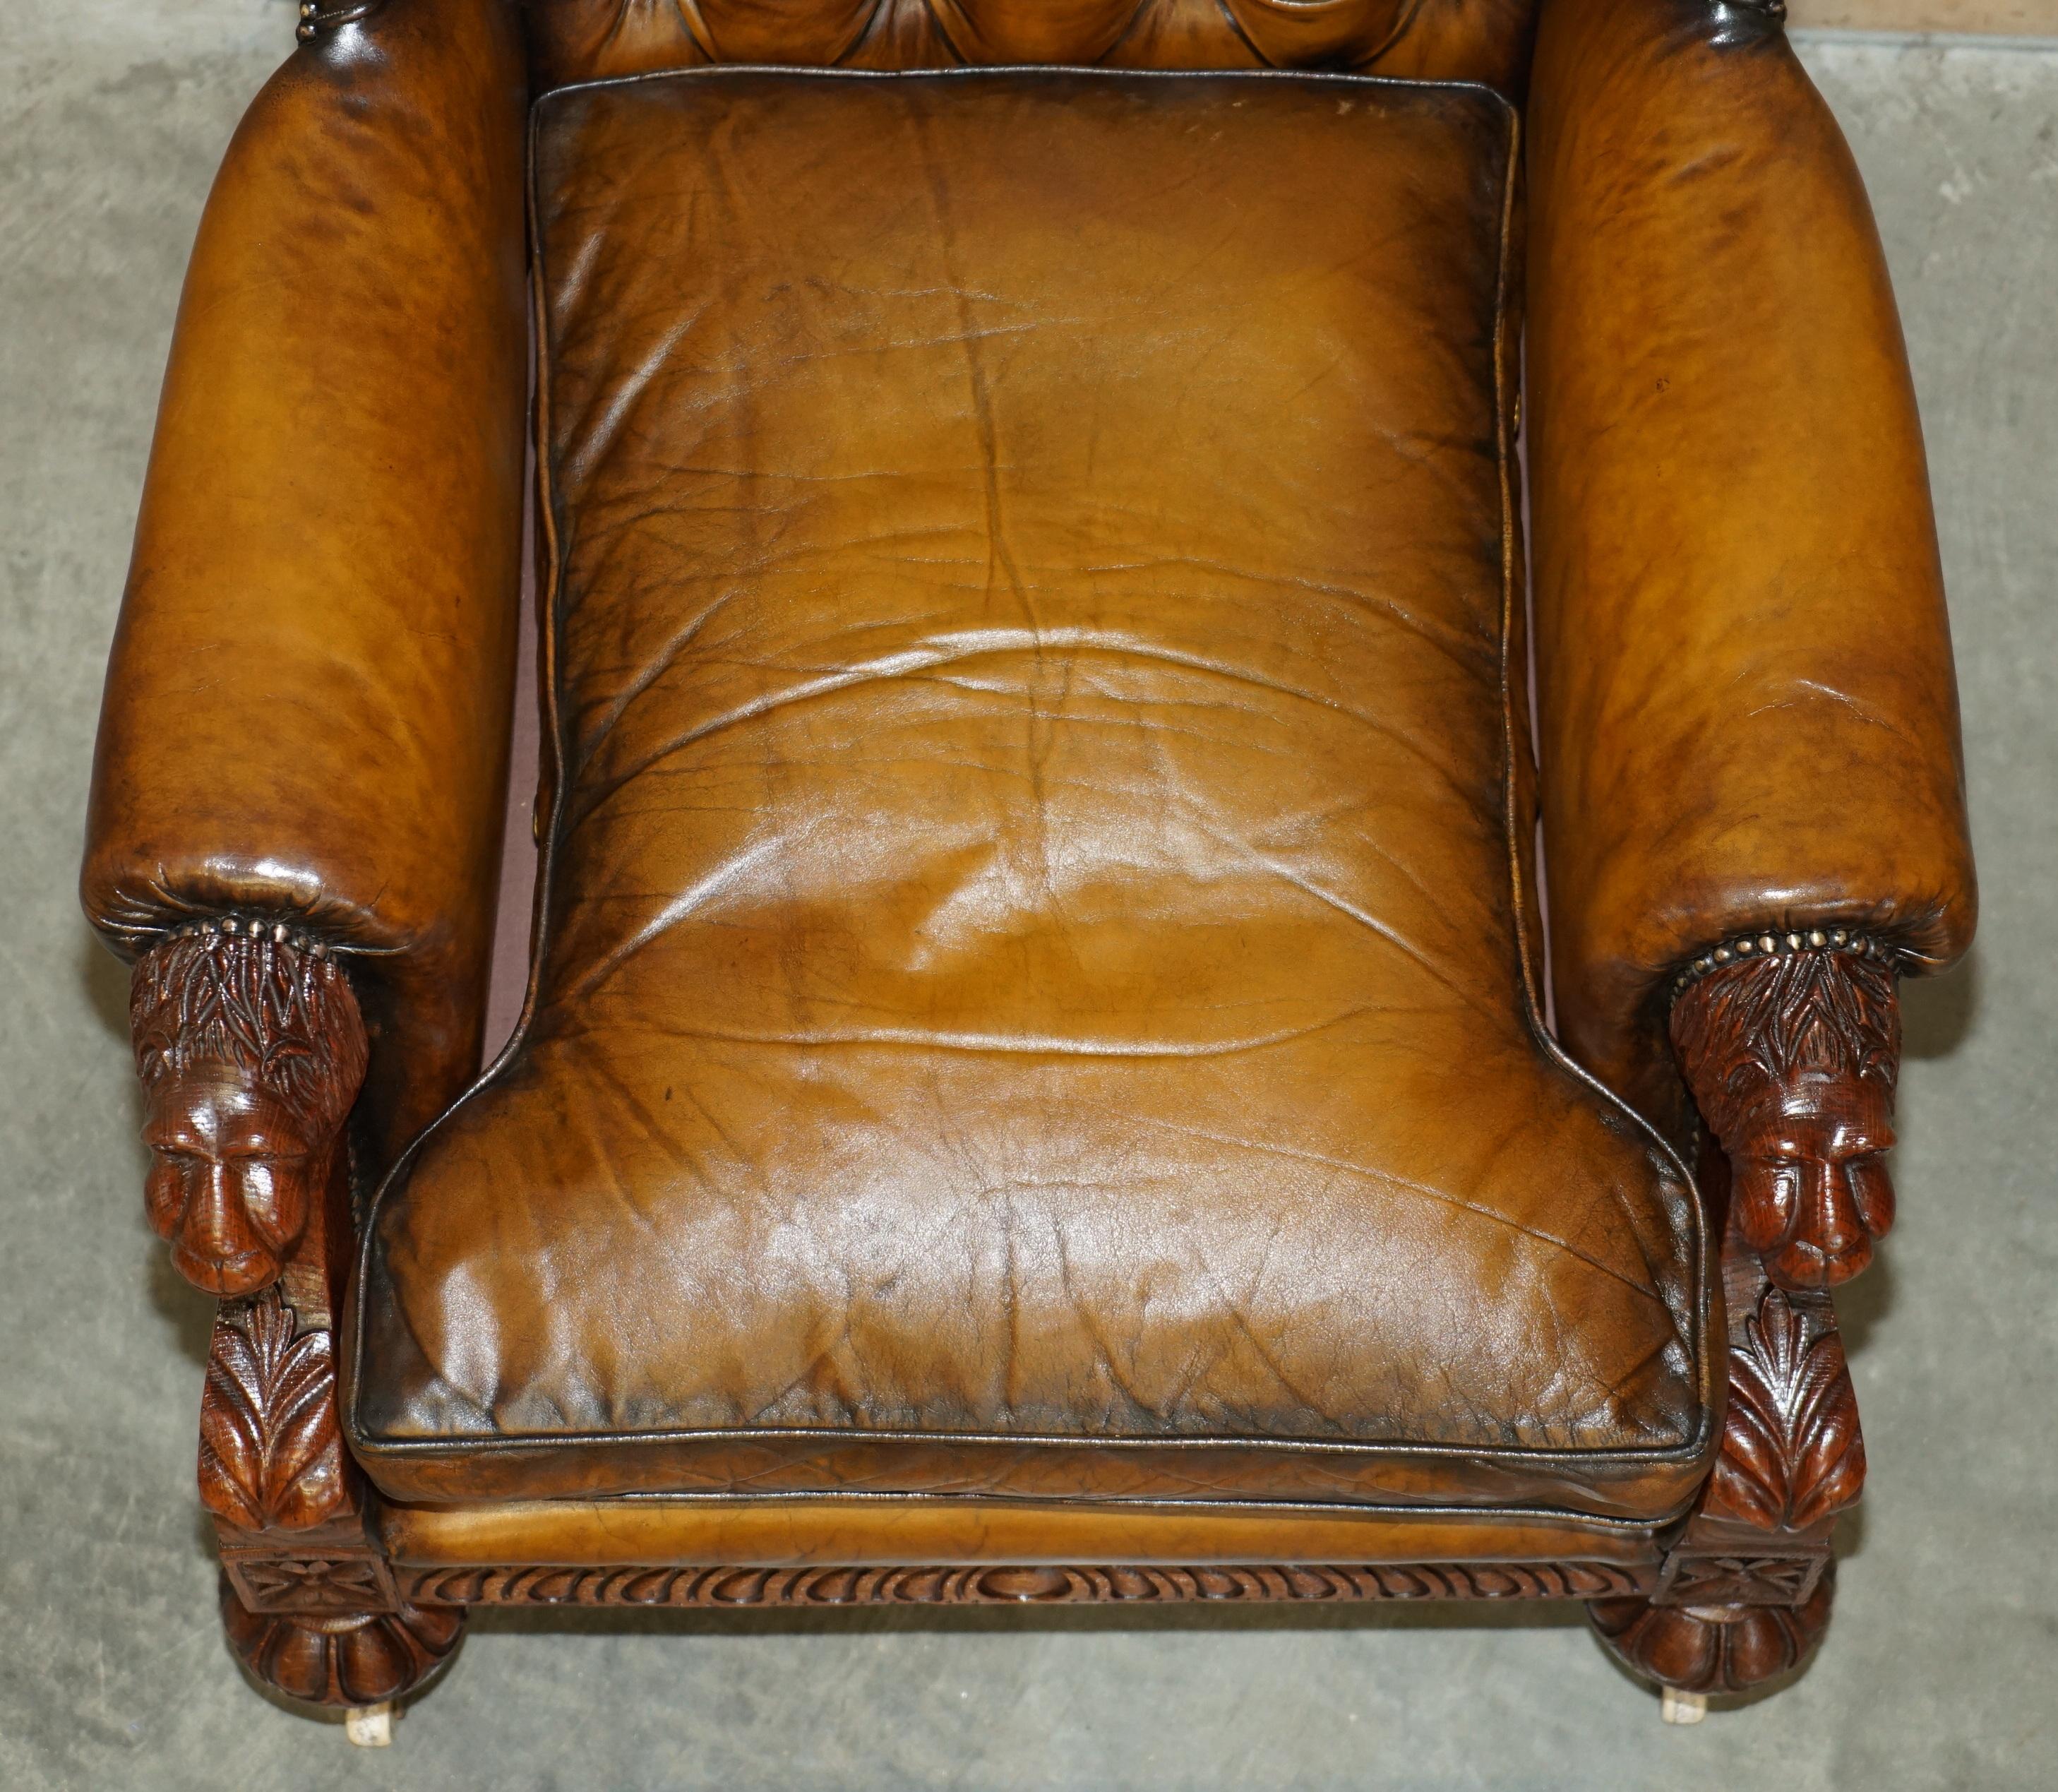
(251, 1050)
(1792, 1056)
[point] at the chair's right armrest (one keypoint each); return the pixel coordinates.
(1746, 707)
(306, 717)
(1753, 810)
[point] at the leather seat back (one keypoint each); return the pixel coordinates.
(1449, 40)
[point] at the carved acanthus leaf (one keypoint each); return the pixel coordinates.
(271, 1451)
(1792, 1453)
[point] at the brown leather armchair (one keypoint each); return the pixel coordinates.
(1044, 1074)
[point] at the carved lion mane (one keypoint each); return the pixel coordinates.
(274, 1009)
(1762, 1022)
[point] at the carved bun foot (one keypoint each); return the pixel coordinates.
(343, 1658)
(1713, 1648)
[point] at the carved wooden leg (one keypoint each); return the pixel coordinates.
(251, 1049)
(1791, 1043)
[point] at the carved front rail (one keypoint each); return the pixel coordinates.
(1791, 1043)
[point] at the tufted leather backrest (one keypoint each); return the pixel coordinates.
(1454, 40)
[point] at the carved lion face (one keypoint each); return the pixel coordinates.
(235, 1172)
(1810, 1184)
(1793, 1059)
(251, 1050)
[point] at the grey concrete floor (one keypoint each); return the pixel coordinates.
(113, 114)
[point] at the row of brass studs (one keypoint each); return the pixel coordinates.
(1775, 945)
(315, 18)
(277, 931)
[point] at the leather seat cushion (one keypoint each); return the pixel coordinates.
(1030, 997)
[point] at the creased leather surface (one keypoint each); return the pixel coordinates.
(1030, 998)
(792, 1533)
(1748, 713)
(1448, 40)
(306, 712)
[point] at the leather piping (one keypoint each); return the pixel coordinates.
(1602, 1522)
(1700, 1306)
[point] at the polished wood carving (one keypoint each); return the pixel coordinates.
(1792, 1454)
(1705, 1574)
(1791, 1043)
(729, 1587)
(1745, 1591)
(341, 1658)
(345, 1580)
(1714, 1648)
(251, 1050)
(271, 1450)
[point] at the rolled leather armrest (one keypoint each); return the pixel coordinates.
(1747, 712)
(307, 709)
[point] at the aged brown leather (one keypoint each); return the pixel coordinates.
(1032, 998)
(306, 715)
(1748, 714)
(792, 1533)
(1452, 40)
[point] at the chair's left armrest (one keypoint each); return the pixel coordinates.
(305, 726)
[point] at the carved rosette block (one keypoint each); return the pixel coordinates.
(1706, 1573)
(251, 1050)
(342, 1658)
(343, 1573)
(1791, 1043)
